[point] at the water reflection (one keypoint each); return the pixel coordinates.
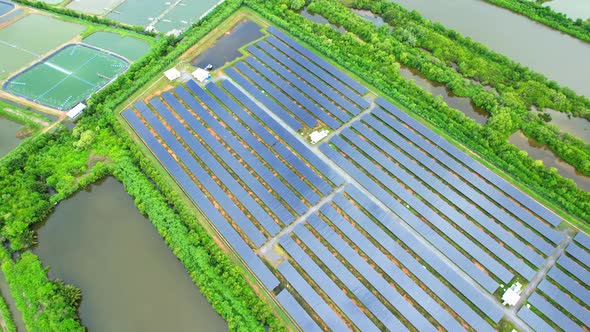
(368, 15)
(462, 104)
(541, 152)
(317, 18)
(130, 280)
(578, 127)
(226, 48)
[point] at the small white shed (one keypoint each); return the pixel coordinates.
(201, 75)
(76, 111)
(172, 74)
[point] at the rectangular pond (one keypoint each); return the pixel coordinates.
(129, 278)
(21, 43)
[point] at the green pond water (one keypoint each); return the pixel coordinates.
(128, 47)
(130, 280)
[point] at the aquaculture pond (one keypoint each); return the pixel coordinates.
(227, 47)
(541, 152)
(8, 138)
(558, 56)
(128, 47)
(130, 280)
(460, 103)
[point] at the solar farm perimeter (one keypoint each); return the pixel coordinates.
(67, 76)
(385, 225)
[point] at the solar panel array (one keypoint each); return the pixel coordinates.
(421, 244)
(563, 297)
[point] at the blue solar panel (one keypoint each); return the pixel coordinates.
(258, 146)
(291, 140)
(395, 273)
(299, 83)
(312, 298)
(565, 301)
(324, 282)
(583, 239)
(570, 285)
(453, 197)
(376, 280)
(323, 102)
(319, 72)
(232, 237)
(349, 280)
(559, 318)
(286, 194)
(259, 190)
(251, 205)
(433, 217)
(534, 321)
(578, 253)
(300, 166)
(264, 99)
(242, 114)
(451, 252)
(574, 268)
(294, 93)
(305, 322)
(319, 61)
(429, 280)
(469, 177)
(520, 196)
(487, 306)
(220, 196)
(469, 192)
(290, 91)
(276, 94)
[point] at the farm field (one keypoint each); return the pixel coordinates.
(66, 77)
(21, 43)
(384, 225)
(128, 47)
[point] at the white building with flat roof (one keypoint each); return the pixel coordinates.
(317, 136)
(512, 295)
(172, 74)
(201, 75)
(76, 111)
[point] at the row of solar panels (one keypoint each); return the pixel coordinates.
(325, 66)
(563, 297)
(221, 223)
(403, 210)
(406, 155)
(486, 174)
(449, 211)
(359, 312)
(296, 93)
(441, 164)
(285, 212)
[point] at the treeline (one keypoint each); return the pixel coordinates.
(41, 172)
(46, 305)
(544, 14)
(465, 67)
(86, 17)
(370, 54)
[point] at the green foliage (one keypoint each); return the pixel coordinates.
(46, 305)
(374, 55)
(544, 14)
(6, 316)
